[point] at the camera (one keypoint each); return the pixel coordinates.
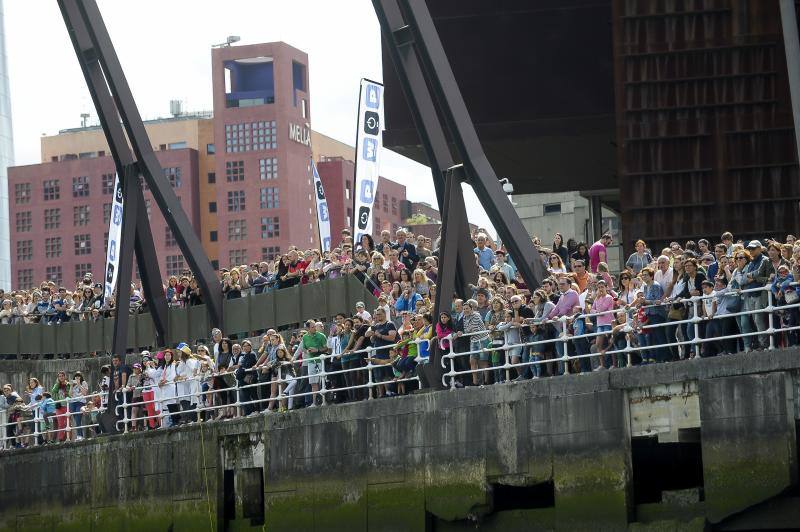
(508, 188)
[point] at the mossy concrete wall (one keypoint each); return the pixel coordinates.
(430, 461)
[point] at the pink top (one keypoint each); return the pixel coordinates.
(594, 255)
(604, 304)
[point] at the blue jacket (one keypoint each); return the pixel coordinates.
(409, 304)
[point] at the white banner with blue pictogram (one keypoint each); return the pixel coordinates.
(114, 237)
(323, 216)
(368, 149)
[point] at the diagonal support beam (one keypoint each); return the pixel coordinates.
(398, 38)
(126, 165)
(480, 174)
(149, 166)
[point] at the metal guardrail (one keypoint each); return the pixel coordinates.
(275, 309)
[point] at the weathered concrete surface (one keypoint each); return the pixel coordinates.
(422, 462)
(749, 441)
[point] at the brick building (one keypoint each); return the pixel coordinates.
(337, 174)
(241, 173)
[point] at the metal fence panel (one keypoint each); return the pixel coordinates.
(97, 335)
(48, 335)
(9, 339)
(237, 315)
(198, 323)
(287, 306)
(178, 328)
(262, 311)
(80, 336)
(314, 301)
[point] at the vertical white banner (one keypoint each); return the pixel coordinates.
(323, 216)
(114, 236)
(368, 148)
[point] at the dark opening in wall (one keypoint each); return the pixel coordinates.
(228, 499)
(251, 482)
(507, 497)
(659, 467)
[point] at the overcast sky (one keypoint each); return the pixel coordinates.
(164, 48)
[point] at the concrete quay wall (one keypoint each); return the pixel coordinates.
(553, 454)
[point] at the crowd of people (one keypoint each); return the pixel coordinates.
(678, 303)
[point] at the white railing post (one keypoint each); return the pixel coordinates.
(696, 323)
(452, 363)
(628, 348)
(322, 376)
(36, 427)
(369, 373)
(124, 410)
(565, 339)
(771, 318)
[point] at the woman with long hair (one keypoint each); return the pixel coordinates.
(166, 388)
(560, 249)
(288, 377)
(582, 253)
(493, 319)
(555, 264)
(421, 282)
(366, 243)
(78, 391)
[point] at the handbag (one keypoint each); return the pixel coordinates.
(677, 311)
(791, 297)
(734, 304)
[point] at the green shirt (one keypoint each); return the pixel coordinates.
(315, 340)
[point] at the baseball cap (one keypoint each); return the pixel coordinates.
(707, 256)
(360, 304)
(754, 244)
(184, 347)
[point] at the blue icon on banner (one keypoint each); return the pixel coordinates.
(367, 192)
(117, 215)
(370, 149)
(323, 211)
(112, 251)
(373, 96)
(326, 243)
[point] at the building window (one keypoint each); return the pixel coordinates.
(270, 227)
(237, 230)
(251, 136)
(174, 176)
(177, 145)
(234, 171)
(53, 273)
(52, 247)
(24, 250)
(52, 189)
(385, 203)
(169, 238)
(106, 213)
(270, 253)
(83, 245)
(212, 206)
(236, 200)
(174, 264)
(107, 184)
(378, 226)
(212, 236)
(82, 269)
(80, 215)
(212, 178)
(24, 221)
(268, 168)
(269, 198)
(552, 208)
(52, 218)
(80, 186)
(211, 149)
(22, 193)
(105, 240)
(237, 257)
(394, 206)
(25, 279)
